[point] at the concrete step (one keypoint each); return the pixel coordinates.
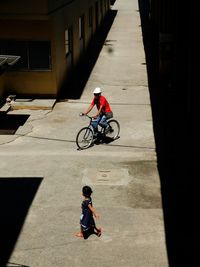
(5, 108)
(33, 104)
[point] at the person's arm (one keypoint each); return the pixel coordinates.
(96, 215)
(88, 110)
(98, 112)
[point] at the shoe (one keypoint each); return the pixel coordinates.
(111, 130)
(99, 232)
(108, 130)
(95, 135)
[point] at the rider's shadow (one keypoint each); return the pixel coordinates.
(104, 140)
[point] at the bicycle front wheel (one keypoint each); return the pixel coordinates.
(114, 130)
(84, 138)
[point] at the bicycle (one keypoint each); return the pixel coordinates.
(86, 135)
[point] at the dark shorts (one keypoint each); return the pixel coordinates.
(88, 232)
(109, 115)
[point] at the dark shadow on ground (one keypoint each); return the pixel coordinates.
(9, 123)
(74, 85)
(16, 196)
(174, 135)
(104, 140)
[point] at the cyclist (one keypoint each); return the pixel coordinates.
(104, 111)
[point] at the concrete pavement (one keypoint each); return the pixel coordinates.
(128, 195)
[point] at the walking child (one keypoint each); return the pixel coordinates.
(87, 223)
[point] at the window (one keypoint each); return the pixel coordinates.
(16, 48)
(101, 8)
(81, 27)
(35, 55)
(68, 41)
(97, 14)
(90, 17)
(105, 5)
(39, 54)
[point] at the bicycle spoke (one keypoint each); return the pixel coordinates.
(84, 138)
(114, 128)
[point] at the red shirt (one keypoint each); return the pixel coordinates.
(101, 101)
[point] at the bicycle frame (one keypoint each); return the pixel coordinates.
(90, 123)
(86, 135)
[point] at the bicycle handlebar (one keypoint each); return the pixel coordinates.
(82, 114)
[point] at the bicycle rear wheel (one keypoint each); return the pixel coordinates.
(114, 130)
(84, 138)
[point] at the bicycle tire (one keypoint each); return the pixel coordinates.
(84, 138)
(115, 129)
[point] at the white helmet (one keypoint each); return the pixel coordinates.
(97, 90)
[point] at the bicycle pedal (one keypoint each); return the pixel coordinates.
(108, 130)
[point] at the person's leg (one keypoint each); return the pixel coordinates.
(79, 234)
(88, 233)
(97, 230)
(95, 123)
(103, 121)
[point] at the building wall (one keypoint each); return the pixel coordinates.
(69, 16)
(63, 19)
(23, 8)
(172, 51)
(1, 86)
(28, 82)
(47, 21)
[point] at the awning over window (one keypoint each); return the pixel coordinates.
(8, 60)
